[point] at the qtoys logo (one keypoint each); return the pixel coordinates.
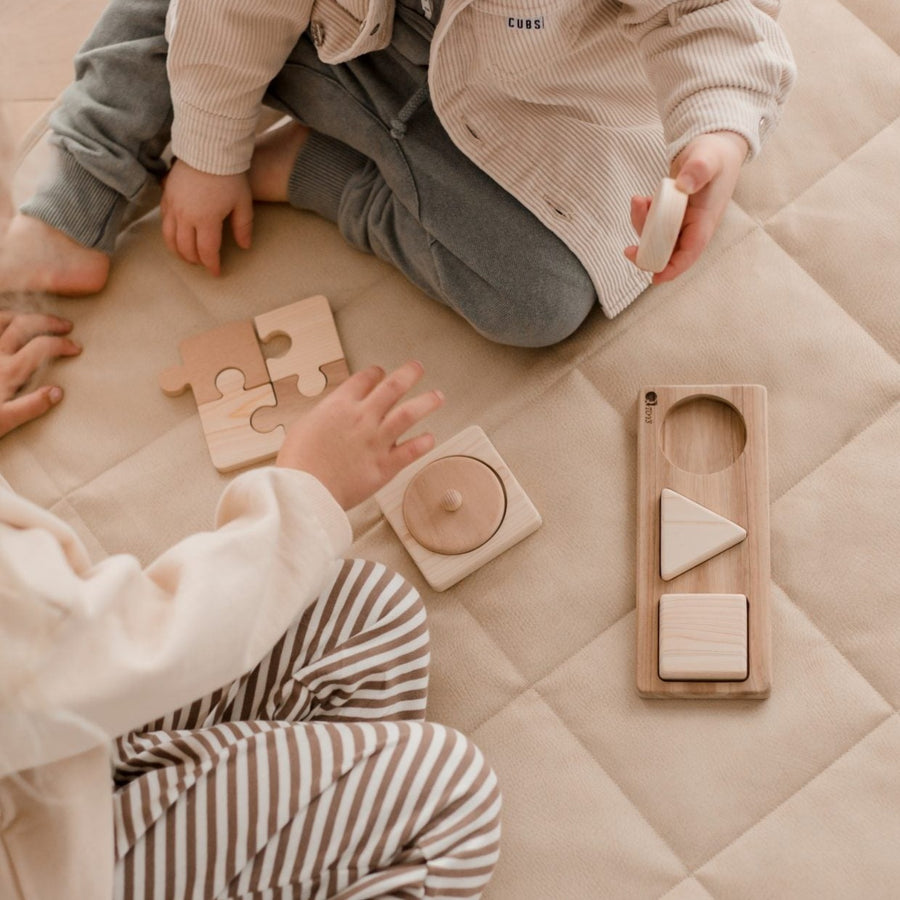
(650, 401)
(533, 23)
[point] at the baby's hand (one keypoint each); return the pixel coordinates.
(195, 204)
(707, 170)
(351, 439)
(27, 342)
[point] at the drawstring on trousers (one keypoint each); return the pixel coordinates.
(399, 123)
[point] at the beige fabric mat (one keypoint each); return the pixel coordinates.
(606, 795)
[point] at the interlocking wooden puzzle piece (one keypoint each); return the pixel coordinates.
(290, 404)
(703, 637)
(314, 342)
(690, 534)
(426, 496)
(660, 232)
(204, 356)
(707, 443)
(232, 441)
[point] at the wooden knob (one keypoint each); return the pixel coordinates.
(452, 500)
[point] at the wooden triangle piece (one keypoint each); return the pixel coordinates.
(691, 534)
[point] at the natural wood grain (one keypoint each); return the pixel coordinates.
(520, 519)
(690, 534)
(231, 439)
(205, 355)
(454, 505)
(703, 637)
(661, 228)
(739, 492)
(314, 341)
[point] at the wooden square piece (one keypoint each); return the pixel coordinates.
(703, 637)
(457, 508)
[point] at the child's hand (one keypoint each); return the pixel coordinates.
(195, 204)
(351, 441)
(28, 341)
(707, 170)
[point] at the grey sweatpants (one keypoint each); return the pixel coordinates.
(379, 164)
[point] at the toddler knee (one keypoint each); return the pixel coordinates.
(528, 305)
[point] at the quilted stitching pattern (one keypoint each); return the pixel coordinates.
(606, 795)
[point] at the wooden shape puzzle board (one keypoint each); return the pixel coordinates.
(708, 445)
(461, 499)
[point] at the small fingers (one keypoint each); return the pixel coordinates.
(408, 452)
(22, 365)
(360, 384)
(208, 244)
(403, 417)
(640, 207)
(186, 243)
(18, 330)
(14, 413)
(242, 224)
(390, 389)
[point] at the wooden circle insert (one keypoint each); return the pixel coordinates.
(454, 505)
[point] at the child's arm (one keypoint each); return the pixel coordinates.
(221, 59)
(721, 71)
(27, 342)
(114, 645)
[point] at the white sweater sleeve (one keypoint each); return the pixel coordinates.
(715, 65)
(104, 648)
(222, 56)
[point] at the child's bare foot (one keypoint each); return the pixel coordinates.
(273, 161)
(36, 257)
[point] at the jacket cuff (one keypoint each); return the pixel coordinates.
(722, 109)
(217, 145)
(300, 491)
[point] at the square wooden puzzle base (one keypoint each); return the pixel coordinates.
(460, 495)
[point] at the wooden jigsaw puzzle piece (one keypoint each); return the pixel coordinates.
(232, 440)
(290, 404)
(314, 342)
(204, 356)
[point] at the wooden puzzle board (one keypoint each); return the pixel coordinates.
(460, 498)
(704, 444)
(246, 400)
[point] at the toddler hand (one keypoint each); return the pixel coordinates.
(28, 341)
(351, 441)
(195, 204)
(707, 170)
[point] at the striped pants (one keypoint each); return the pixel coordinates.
(314, 775)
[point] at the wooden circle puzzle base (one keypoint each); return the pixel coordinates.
(457, 508)
(702, 579)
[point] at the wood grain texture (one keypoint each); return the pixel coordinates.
(703, 637)
(232, 440)
(718, 438)
(520, 519)
(454, 505)
(314, 342)
(662, 226)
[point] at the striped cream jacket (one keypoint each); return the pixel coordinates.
(572, 106)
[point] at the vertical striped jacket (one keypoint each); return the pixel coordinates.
(572, 106)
